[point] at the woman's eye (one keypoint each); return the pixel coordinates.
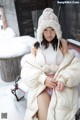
(45, 30)
(52, 29)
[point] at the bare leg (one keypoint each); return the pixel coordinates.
(43, 104)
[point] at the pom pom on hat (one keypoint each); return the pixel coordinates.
(48, 14)
(48, 19)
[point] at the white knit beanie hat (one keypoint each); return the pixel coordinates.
(48, 19)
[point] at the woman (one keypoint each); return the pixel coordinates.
(51, 74)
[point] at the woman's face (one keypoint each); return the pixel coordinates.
(49, 34)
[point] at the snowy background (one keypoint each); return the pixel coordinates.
(8, 104)
(11, 46)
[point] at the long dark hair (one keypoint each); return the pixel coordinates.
(45, 43)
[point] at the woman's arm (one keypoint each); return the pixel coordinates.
(70, 75)
(64, 47)
(35, 48)
(33, 51)
(31, 75)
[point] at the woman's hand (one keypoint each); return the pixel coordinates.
(50, 83)
(60, 86)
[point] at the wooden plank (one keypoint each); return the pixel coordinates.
(73, 44)
(32, 4)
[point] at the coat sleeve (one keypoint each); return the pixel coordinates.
(70, 76)
(32, 76)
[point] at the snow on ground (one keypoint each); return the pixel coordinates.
(12, 46)
(8, 104)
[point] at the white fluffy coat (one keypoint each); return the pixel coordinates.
(63, 105)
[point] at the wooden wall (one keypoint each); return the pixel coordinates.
(24, 10)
